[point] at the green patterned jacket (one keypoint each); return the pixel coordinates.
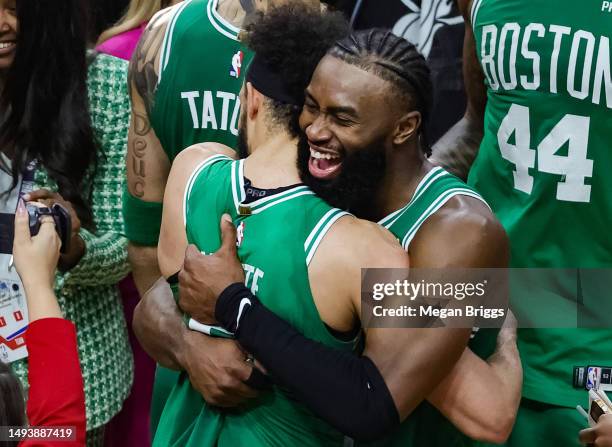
(88, 294)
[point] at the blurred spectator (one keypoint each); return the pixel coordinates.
(121, 39)
(56, 397)
(104, 13)
(132, 423)
(67, 114)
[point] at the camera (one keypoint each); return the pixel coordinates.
(61, 217)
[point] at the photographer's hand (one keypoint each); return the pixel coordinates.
(35, 259)
(77, 246)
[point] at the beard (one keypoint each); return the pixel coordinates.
(242, 145)
(356, 187)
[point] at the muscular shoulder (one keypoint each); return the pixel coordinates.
(144, 65)
(463, 233)
(362, 244)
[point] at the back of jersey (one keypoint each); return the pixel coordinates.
(543, 159)
(202, 66)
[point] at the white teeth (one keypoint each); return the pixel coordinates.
(4, 45)
(319, 155)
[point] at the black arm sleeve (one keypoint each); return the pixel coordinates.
(346, 390)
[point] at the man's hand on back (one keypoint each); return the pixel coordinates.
(203, 278)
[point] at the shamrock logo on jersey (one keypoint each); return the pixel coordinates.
(425, 18)
(239, 234)
(236, 64)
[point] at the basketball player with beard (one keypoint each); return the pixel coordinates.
(295, 246)
(353, 155)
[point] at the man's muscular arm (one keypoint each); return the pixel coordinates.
(362, 396)
(147, 164)
(216, 367)
(464, 397)
(457, 149)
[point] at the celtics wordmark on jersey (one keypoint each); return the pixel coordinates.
(277, 238)
(201, 72)
(543, 164)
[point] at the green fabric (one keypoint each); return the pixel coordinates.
(197, 96)
(276, 241)
(552, 197)
(426, 426)
(546, 425)
(165, 379)
(142, 220)
(87, 294)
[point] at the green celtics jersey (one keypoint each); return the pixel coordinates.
(201, 72)
(426, 426)
(277, 238)
(543, 161)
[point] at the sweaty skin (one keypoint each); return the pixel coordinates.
(147, 164)
(339, 116)
(351, 244)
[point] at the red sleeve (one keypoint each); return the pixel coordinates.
(56, 396)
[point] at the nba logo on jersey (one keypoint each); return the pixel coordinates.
(593, 377)
(236, 64)
(239, 234)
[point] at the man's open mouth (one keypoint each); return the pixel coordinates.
(324, 164)
(7, 46)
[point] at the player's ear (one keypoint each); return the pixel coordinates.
(407, 127)
(254, 101)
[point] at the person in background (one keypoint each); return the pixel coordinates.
(103, 14)
(184, 78)
(65, 114)
(121, 39)
(132, 423)
(536, 147)
(56, 397)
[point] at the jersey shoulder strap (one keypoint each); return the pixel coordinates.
(435, 189)
(197, 16)
(201, 177)
(320, 229)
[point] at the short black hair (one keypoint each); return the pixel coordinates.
(395, 60)
(291, 40)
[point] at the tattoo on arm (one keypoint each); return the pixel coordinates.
(143, 73)
(141, 128)
(142, 79)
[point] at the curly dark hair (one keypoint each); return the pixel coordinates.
(44, 108)
(291, 40)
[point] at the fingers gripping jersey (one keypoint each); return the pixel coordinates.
(277, 237)
(544, 160)
(202, 67)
